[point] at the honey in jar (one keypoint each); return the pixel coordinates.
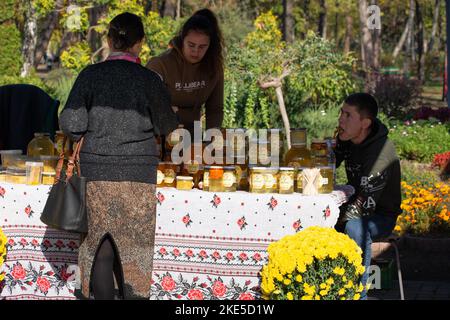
(41, 145)
(16, 175)
(286, 180)
(298, 155)
(319, 152)
(327, 179)
(205, 182)
(184, 182)
(241, 173)
(160, 174)
(229, 179)
(34, 172)
(270, 179)
(257, 181)
(298, 184)
(48, 178)
(170, 173)
(216, 179)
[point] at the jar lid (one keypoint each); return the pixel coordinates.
(229, 168)
(185, 178)
(34, 164)
(215, 167)
(48, 157)
(40, 134)
(10, 151)
(287, 168)
(49, 173)
(316, 140)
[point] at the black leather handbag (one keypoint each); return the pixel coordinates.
(65, 208)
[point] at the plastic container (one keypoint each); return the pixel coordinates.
(7, 156)
(16, 175)
(185, 182)
(41, 145)
(48, 178)
(34, 172)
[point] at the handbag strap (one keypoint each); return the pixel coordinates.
(74, 160)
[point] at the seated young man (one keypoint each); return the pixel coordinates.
(373, 169)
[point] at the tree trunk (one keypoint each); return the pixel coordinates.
(288, 21)
(336, 23)
(401, 42)
(366, 38)
(29, 38)
(437, 6)
(45, 34)
(348, 33)
(323, 19)
(409, 41)
(169, 8)
(420, 44)
(178, 15)
(93, 37)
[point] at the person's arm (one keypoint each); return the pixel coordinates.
(164, 119)
(375, 176)
(214, 106)
(73, 119)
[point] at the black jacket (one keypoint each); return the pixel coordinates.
(373, 169)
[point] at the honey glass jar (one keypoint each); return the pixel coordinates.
(48, 178)
(298, 155)
(270, 179)
(205, 182)
(184, 183)
(16, 175)
(216, 179)
(286, 180)
(257, 181)
(170, 173)
(327, 179)
(41, 145)
(298, 184)
(229, 179)
(34, 172)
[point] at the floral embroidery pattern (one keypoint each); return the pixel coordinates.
(273, 203)
(297, 225)
(38, 279)
(326, 212)
(187, 220)
(160, 197)
(28, 211)
(215, 201)
(242, 223)
(166, 287)
(2, 192)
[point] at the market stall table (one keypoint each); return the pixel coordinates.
(208, 245)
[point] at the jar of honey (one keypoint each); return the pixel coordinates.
(34, 172)
(327, 179)
(170, 173)
(229, 179)
(270, 179)
(319, 152)
(48, 178)
(16, 175)
(216, 179)
(286, 180)
(41, 145)
(257, 181)
(298, 155)
(184, 183)
(205, 182)
(160, 174)
(298, 184)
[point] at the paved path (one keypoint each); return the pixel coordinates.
(414, 290)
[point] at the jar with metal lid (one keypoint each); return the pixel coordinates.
(319, 152)
(185, 183)
(327, 179)
(257, 182)
(271, 179)
(241, 173)
(16, 175)
(286, 180)
(216, 179)
(204, 185)
(229, 179)
(160, 174)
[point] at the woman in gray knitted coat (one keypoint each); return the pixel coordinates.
(119, 107)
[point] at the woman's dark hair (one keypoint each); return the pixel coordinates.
(125, 30)
(205, 21)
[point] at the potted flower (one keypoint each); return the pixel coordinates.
(314, 264)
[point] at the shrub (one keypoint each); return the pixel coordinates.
(394, 93)
(441, 159)
(10, 50)
(425, 113)
(314, 264)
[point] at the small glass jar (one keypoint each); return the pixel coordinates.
(185, 183)
(205, 182)
(7, 156)
(229, 179)
(2, 174)
(34, 172)
(216, 179)
(170, 174)
(271, 179)
(257, 181)
(16, 175)
(298, 185)
(241, 173)
(327, 179)
(160, 174)
(286, 180)
(48, 178)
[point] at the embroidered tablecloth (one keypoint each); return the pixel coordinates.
(208, 245)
